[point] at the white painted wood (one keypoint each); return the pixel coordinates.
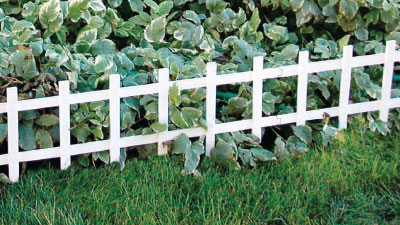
(387, 80)
(211, 101)
(146, 89)
(3, 159)
(38, 103)
(258, 67)
(163, 89)
(65, 124)
(345, 84)
(368, 60)
(85, 97)
(114, 117)
(12, 128)
(233, 126)
(190, 83)
(40, 154)
(302, 84)
(323, 66)
(394, 103)
(234, 78)
(90, 147)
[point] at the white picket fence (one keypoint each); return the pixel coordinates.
(115, 93)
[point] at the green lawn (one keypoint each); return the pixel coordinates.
(353, 182)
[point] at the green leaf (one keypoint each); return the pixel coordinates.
(255, 20)
(192, 16)
(3, 132)
(103, 63)
(96, 105)
(76, 8)
(136, 5)
(155, 31)
(4, 179)
(84, 160)
(280, 148)
(262, 154)
(177, 118)
(47, 120)
(303, 132)
(192, 158)
(182, 144)
(103, 47)
(43, 139)
(158, 127)
(175, 95)
(223, 154)
(81, 132)
(26, 138)
(50, 15)
(152, 5)
(165, 7)
(348, 8)
(105, 157)
(97, 132)
(237, 105)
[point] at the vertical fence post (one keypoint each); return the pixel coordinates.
(387, 80)
(65, 136)
(258, 66)
(12, 128)
(163, 89)
(345, 84)
(114, 117)
(211, 98)
(302, 84)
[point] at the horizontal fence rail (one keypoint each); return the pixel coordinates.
(115, 92)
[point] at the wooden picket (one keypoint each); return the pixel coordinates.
(114, 94)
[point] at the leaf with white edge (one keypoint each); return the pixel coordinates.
(262, 154)
(177, 118)
(4, 179)
(280, 148)
(237, 105)
(136, 5)
(43, 139)
(47, 120)
(303, 132)
(223, 154)
(96, 105)
(81, 132)
(246, 157)
(97, 5)
(153, 5)
(26, 138)
(192, 158)
(158, 127)
(97, 132)
(182, 144)
(175, 95)
(155, 31)
(103, 63)
(348, 8)
(76, 9)
(165, 7)
(191, 115)
(192, 16)
(50, 15)
(295, 145)
(103, 47)
(104, 157)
